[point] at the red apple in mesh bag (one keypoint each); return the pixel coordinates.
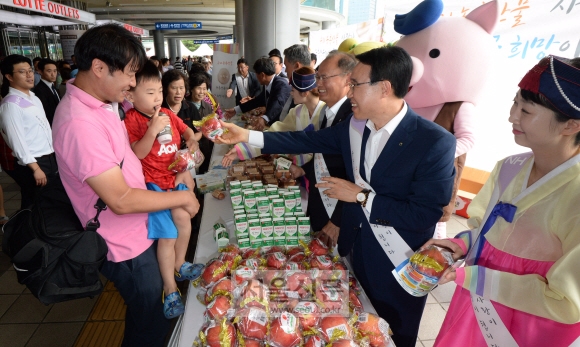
(254, 294)
(276, 260)
(214, 270)
(253, 323)
(230, 259)
(221, 287)
(284, 331)
(431, 261)
(243, 274)
(314, 341)
(322, 262)
(297, 257)
(308, 314)
(213, 331)
(253, 263)
(344, 343)
(294, 266)
(231, 248)
(299, 282)
(354, 301)
(274, 279)
(252, 343)
(374, 327)
(291, 251)
(219, 307)
(330, 298)
(335, 327)
(251, 253)
(273, 249)
(212, 128)
(317, 247)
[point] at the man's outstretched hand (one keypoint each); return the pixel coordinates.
(234, 135)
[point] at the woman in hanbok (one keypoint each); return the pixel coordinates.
(520, 285)
(305, 116)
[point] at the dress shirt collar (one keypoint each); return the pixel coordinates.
(21, 94)
(49, 84)
(392, 124)
(336, 106)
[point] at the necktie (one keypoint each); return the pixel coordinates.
(55, 93)
(363, 147)
(267, 95)
(324, 121)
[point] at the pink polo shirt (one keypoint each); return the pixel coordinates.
(89, 139)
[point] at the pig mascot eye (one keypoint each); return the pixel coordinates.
(434, 53)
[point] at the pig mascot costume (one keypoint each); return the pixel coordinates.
(451, 57)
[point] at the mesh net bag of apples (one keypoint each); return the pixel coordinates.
(284, 297)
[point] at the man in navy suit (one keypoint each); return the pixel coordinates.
(275, 91)
(248, 83)
(45, 90)
(405, 160)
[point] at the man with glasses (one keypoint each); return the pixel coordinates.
(25, 129)
(278, 64)
(400, 176)
(244, 83)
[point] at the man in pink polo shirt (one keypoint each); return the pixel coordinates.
(95, 160)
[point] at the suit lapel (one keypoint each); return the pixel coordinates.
(343, 112)
(397, 143)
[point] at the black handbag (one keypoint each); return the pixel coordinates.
(53, 255)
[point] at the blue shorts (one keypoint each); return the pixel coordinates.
(160, 224)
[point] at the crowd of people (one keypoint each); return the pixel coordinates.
(375, 170)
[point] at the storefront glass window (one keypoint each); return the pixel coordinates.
(14, 39)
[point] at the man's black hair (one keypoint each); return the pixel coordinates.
(170, 77)
(43, 62)
(275, 51)
(391, 64)
(264, 65)
(148, 72)
(111, 43)
(241, 61)
(197, 80)
(313, 57)
(279, 57)
(35, 60)
(7, 68)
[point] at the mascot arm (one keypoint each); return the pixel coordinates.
(464, 128)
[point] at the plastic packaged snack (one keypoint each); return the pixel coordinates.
(186, 160)
(209, 126)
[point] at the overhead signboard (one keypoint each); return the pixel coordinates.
(178, 26)
(52, 8)
(199, 42)
(225, 37)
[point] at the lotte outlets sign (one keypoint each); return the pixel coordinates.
(52, 8)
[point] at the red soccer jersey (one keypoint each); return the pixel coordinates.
(155, 164)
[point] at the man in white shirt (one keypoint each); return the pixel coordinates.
(400, 176)
(25, 129)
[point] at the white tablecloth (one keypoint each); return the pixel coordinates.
(213, 211)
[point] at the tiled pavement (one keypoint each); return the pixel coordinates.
(24, 322)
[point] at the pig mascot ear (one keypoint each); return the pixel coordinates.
(486, 16)
(418, 70)
(421, 17)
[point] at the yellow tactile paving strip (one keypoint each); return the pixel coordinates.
(106, 323)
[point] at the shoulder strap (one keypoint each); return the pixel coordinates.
(94, 224)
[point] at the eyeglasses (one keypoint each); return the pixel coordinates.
(352, 85)
(319, 78)
(25, 72)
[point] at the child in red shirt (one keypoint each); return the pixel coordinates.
(144, 122)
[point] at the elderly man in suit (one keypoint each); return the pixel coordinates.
(400, 176)
(244, 83)
(275, 91)
(45, 90)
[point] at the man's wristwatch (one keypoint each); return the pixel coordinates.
(362, 197)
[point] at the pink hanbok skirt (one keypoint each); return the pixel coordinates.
(460, 328)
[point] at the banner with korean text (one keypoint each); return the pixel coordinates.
(225, 57)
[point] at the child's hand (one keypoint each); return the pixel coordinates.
(158, 123)
(192, 144)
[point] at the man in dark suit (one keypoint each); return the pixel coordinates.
(275, 91)
(278, 64)
(244, 83)
(45, 90)
(406, 161)
(296, 56)
(332, 80)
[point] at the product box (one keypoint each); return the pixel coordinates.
(255, 231)
(260, 192)
(244, 243)
(221, 235)
(278, 208)
(235, 185)
(236, 197)
(279, 232)
(462, 201)
(291, 231)
(263, 205)
(267, 232)
(304, 228)
(249, 200)
(207, 184)
(241, 226)
(289, 202)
